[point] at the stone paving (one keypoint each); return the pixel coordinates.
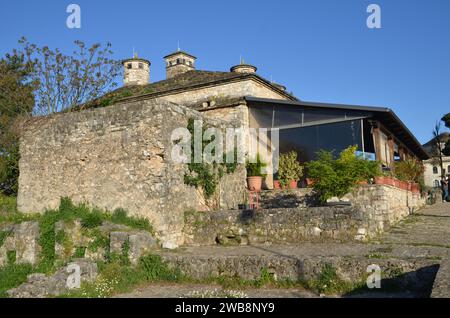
(422, 236)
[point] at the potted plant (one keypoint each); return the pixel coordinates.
(289, 170)
(255, 173)
(409, 173)
(276, 184)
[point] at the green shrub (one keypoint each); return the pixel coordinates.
(155, 269)
(337, 177)
(289, 168)
(255, 169)
(92, 220)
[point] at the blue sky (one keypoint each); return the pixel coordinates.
(321, 50)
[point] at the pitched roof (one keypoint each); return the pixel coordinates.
(188, 80)
(442, 137)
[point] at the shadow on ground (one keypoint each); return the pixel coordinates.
(416, 284)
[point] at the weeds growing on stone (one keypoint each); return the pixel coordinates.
(12, 276)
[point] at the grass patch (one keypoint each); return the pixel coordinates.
(329, 282)
(12, 276)
(117, 277)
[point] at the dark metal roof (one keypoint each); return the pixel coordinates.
(383, 114)
(180, 52)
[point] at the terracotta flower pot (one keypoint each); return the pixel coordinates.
(292, 184)
(363, 182)
(390, 181)
(415, 188)
(379, 180)
(309, 182)
(276, 184)
(254, 183)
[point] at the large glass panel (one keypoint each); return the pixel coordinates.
(287, 115)
(307, 141)
(261, 117)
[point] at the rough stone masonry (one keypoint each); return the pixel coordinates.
(115, 157)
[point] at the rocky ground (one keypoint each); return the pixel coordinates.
(423, 237)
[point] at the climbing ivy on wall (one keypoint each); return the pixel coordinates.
(206, 175)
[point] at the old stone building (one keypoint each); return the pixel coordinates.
(433, 171)
(118, 154)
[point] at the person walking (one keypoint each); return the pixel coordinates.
(444, 187)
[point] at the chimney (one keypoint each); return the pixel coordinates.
(136, 71)
(243, 68)
(178, 63)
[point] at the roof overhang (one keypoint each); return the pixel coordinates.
(384, 115)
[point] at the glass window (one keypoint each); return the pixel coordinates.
(307, 141)
(435, 170)
(129, 65)
(261, 117)
(141, 65)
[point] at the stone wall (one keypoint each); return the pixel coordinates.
(231, 90)
(113, 157)
(20, 239)
(288, 218)
(283, 225)
(383, 205)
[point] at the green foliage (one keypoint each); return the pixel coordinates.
(289, 168)
(100, 240)
(205, 175)
(80, 251)
(446, 120)
(93, 219)
(337, 177)
(255, 169)
(155, 269)
(266, 278)
(12, 276)
(3, 236)
(90, 218)
(8, 204)
(120, 216)
(446, 150)
(11, 257)
(16, 103)
(116, 276)
(9, 170)
(409, 170)
(329, 282)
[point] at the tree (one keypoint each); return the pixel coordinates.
(437, 149)
(446, 120)
(16, 102)
(69, 81)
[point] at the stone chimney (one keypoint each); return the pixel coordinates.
(136, 71)
(178, 63)
(243, 68)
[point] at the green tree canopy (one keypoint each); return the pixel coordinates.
(16, 101)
